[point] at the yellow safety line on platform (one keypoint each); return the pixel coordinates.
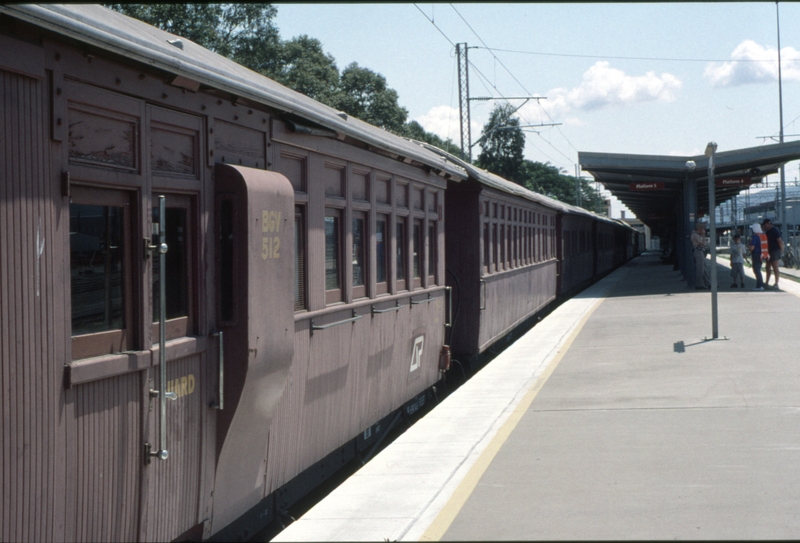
(450, 511)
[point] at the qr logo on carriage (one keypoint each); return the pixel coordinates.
(416, 352)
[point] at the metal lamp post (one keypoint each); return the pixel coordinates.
(711, 148)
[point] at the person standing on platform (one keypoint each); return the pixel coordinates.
(737, 261)
(758, 251)
(701, 276)
(775, 246)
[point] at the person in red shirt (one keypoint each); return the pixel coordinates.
(775, 247)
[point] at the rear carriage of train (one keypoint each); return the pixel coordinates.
(502, 257)
(511, 252)
(303, 280)
(593, 246)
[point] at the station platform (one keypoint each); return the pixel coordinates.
(618, 416)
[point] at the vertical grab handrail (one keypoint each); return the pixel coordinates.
(221, 403)
(162, 453)
(449, 322)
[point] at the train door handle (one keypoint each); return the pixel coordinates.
(170, 395)
(162, 453)
(483, 284)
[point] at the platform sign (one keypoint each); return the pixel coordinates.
(649, 185)
(733, 181)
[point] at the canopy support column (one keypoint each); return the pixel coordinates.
(688, 223)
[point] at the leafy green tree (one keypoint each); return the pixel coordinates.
(502, 144)
(302, 65)
(548, 180)
(591, 200)
(242, 32)
(415, 131)
(364, 94)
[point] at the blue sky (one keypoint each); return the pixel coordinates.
(657, 78)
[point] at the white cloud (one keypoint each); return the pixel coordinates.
(604, 86)
(752, 63)
(445, 122)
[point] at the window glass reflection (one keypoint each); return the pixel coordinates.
(176, 276)
(96, 268)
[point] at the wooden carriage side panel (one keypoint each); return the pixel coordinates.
(106, 459)
(378, 378)
(329, 388)
(513, 297)
(346, 378)
(577, 263)
(31, 361)
(605, 251)
(399, 358)
(517, 265)
(239, 145)
(384, 373)
(285, 432)
(175, 483)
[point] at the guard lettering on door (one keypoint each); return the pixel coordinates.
(182, 386)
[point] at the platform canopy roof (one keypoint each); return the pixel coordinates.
(651, 185)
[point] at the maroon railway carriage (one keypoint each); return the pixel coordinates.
(512, 252)
(502, 258)
(592, 247)
(303, 283)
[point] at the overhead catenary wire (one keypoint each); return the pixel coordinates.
(664, 59)
(569, 160)
(485, 80)
(434, 24)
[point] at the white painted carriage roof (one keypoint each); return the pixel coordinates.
(101, 27)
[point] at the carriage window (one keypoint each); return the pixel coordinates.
(100, 275)
(417, 250)
(97, 268)
(299, 260)
(333, 256)
(514, 244)
(359, 254)
(227, 267)
(381, 252)
(432, 239)
(487, 249)
(502, 264)
(176, 266)
(177, 272)
(401, 253)
(495, 249)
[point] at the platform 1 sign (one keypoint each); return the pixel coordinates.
(649, 185)
(733, 181)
